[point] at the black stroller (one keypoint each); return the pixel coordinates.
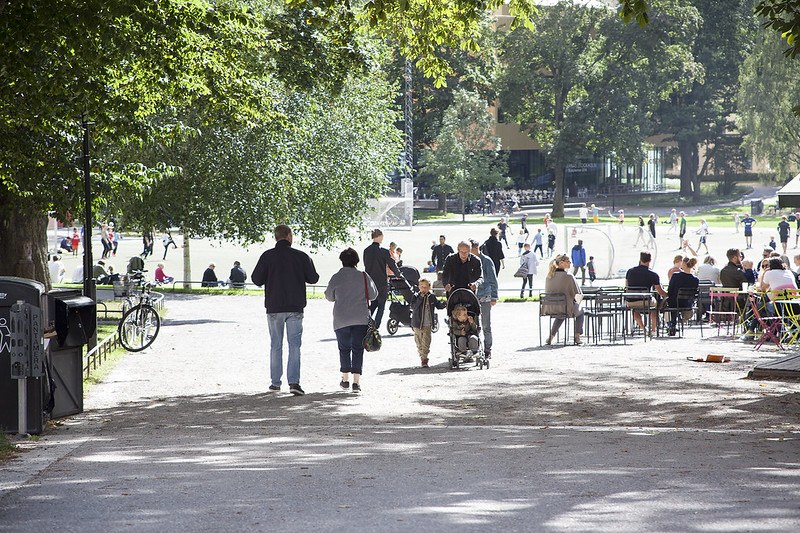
(468, 299)
(401, 290)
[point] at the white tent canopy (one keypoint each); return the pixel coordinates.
(789, 194)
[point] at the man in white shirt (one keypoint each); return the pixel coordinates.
(583, 214)
(57, 270)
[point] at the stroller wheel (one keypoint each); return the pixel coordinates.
(391, 326)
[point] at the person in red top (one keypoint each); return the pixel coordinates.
(76, 241)
(161, 277)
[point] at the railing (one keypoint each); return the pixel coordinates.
(245, 285)
(97, 355)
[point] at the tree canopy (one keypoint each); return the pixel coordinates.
(584, 83)
(768, 90)
(465, 158)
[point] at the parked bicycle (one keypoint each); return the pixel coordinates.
(140, 322)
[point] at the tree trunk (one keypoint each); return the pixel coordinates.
(558, 193)
(689, 163)
(463, 215)
(23, 245)
(442, 203)
(187, 262)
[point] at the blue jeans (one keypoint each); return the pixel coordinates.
(294, 337)
(351, 349)
(486, 325)
(376, 308)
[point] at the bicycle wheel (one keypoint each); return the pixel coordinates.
(139, 328)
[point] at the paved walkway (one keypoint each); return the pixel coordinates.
(626, 438)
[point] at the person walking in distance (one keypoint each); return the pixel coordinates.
(579, 261)
(284, 271)
(494, 250)
(376, 262)
(640, 236)
(503, 227)
(590, 268)
(784, 229)
(681, 230)
(748, 222)
(673, 221)
(703, 232)
(531, 262)
(537, 242)
(166, 240)
(651, 225)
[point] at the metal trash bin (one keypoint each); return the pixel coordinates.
(22, 378)
(74, 317)
(756, 207)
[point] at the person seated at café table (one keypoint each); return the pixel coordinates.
(560, 281)
(681, 280)
(708, 271)
(732, 276)
(777, 278)
(641, 279)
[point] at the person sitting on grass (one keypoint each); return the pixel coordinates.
(161, 277)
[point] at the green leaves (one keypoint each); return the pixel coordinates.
(465, 158)
(783, 16)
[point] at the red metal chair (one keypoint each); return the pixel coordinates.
(770, 325)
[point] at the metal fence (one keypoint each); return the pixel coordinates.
(98, 355)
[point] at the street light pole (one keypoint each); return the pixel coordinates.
(89, 288)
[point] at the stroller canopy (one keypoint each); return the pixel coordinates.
(466, 298)
(411, 274)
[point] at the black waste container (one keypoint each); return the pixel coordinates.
(37, 391)
(756, 207)
(75, 320)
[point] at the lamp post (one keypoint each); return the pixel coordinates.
(89, 288)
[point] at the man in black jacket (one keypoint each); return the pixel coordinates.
(238, 276)
(284, 272)
(440, 252)
(462, 270)
(376, 262)
(494, 250)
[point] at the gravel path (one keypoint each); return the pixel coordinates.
(620, 438)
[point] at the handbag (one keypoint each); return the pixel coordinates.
(372, 340)
(522, 271)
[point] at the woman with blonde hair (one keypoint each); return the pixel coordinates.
(560, 281)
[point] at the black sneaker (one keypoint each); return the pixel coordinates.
(274, 388)
(356, 388)
(295, 389)
(344, 384)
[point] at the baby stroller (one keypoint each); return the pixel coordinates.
(458, 356)
(401, 289)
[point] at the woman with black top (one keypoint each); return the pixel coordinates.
(681, 280)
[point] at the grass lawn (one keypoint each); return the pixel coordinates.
(7, 450)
